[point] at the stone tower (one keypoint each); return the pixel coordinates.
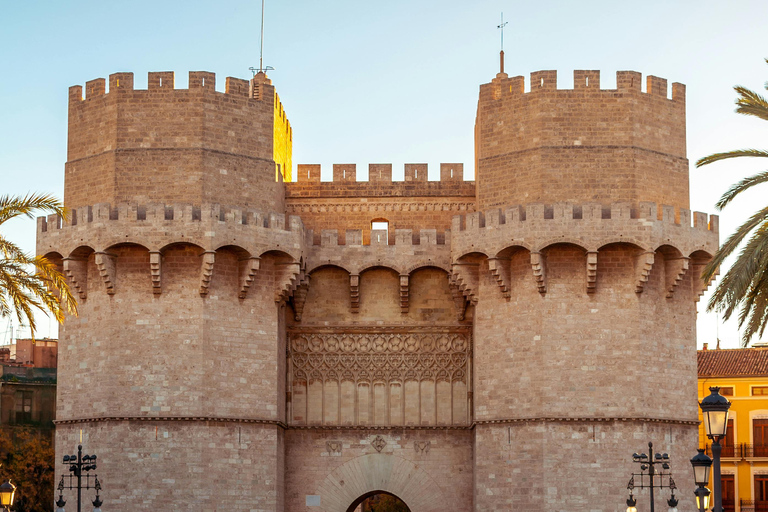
(584, 268)
(249, 344)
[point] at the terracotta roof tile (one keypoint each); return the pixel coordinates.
(733, 362)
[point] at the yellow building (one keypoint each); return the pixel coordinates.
(742, 375)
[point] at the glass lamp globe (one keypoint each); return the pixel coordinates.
(7, 491)
(714, 411)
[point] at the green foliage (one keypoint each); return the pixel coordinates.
(745, 286)
(27, 459)
(22, 291)
(384, 503)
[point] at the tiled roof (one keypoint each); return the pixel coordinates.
(733, 362)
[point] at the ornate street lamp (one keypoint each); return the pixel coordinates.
(7, 493)
(701, 466)
(714, 411)
(655, 477)
(79, 478)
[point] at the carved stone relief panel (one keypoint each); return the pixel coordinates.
(379, 376)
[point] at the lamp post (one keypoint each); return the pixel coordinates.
(79, 467)
(7, 493)
(701, 466)
(714, 411)
(655, 477)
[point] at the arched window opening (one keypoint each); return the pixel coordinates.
(378, 501)
(380, 231)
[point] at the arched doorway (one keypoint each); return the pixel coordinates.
(378, 501)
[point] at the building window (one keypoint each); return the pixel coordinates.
(729, 447)
(23, 407)
(761, 487)
(759, 390)
(729, 492)
(760, 437)
(726, 390)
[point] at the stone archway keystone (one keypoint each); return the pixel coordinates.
(381, 472)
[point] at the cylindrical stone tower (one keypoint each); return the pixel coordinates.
(178, 247)
(583, 264)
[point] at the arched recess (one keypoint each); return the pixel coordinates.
(622, 267)
(676, 268)
(698, 261)
(381, 472)
(326, 297)
(379, 294)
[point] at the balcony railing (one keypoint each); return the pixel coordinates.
(751, 506)
(741, 451)
(754, 450)
(732, 451)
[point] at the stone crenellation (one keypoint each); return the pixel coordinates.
(459, 342)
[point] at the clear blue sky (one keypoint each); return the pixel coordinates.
(390, 81)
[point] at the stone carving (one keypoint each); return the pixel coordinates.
(333, 446)
(380, 356)
(421, 446)
(379, 443)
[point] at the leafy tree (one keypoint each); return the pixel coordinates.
(383, 502)
(745, 286)
(27, 459)
(21, 290)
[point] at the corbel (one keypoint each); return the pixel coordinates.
(591, 271)
(404, 292)
(539, 267)
(207, 260)
(105, 262)
(76, 270)
(699, 285)
(500, 270)
(155, 268)
(466, 278)
(643, 266)
(248, 269)
(288, 276)
(354, 293)
(458, 298)
(300, 297)
(674, 271)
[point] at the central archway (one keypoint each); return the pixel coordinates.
(368, 503)
(381, 473)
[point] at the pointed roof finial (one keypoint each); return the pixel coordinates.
(501, 54)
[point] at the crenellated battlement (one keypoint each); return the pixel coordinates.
(379, 237)
(164, 81)
(590, 226)
(571, 145)
(163, 144)
(155, 226)
(381, 173)
(585, 82)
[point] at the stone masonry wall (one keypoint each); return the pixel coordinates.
(584, 144)
(170, 145)
(431, 470)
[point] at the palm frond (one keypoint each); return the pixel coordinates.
(732, 243)
(751, 104)
(14, 206)
(740, 187)
(716, 157)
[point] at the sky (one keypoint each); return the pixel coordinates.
(382, 82)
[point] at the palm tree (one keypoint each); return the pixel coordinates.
(745, 285)
(26, 282)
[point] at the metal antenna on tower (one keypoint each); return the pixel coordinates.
(501, 54)
(261, 68)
